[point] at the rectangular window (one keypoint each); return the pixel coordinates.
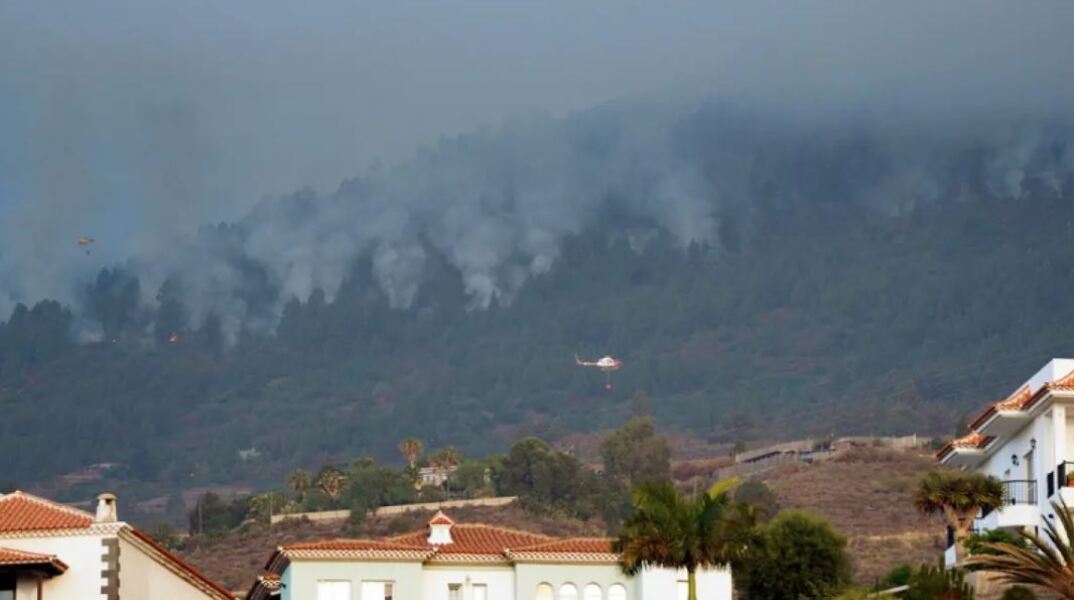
(378, 590)
(334, 590)
(454, 591)
(481, 591)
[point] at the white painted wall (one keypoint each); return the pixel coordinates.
(712, 584)
(141, 577)
(81, 553)
(528, 576)
(414, 581)
(500, 580)
(301, 578)
(1041, 429)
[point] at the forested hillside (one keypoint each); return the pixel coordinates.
(814, 310)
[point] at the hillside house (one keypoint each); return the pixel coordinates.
(435, 475)
(50, 551)
(449, 561)
(1026, 441)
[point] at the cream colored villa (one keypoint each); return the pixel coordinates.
(49, 551)
(450, 561)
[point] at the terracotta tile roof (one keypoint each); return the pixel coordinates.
(185, 569)
(571, 550)
(441, 519)
(572, 545)
(475, 539)
(1016, 400)
(972, 441)
(354, 545)
(470, 543)
(1065, 382)
(20, 511)
(1022, 399)
(347, 549)
(48, 562)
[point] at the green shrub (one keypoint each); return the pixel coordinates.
(797, 555)
(760, 496)
(934, 582)
(975, 544)
(897, 576)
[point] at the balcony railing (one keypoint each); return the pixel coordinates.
(1019, 491)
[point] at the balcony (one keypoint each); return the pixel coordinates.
(1019, 508)
(1019, 491)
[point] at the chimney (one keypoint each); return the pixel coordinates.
(106, 508)
(440, 529)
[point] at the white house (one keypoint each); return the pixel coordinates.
(435, 475)
(449, 561)
(49, 551)
(1027, 442)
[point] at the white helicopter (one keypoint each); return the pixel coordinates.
(606, 364)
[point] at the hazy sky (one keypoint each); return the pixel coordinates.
(245, 98)
(138, 120)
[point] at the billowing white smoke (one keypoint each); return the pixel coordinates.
(498, 204)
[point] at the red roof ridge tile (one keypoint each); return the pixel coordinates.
(441, 519)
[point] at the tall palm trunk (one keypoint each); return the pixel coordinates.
(691, 584)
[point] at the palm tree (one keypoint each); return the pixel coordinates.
(411, 449)
(447, 458)
(678, 532)
(1046, 562)
(331, 481)
(959, 497)
(299, 481)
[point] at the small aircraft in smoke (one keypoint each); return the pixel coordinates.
(606, 364)
(86, 242)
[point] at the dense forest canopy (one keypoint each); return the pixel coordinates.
(758, 276)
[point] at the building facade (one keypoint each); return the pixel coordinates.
(49, 551)
(1027, 442)
(450, 561)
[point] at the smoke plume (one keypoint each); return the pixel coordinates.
(143, 131)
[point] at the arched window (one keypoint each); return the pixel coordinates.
(568, 591)
(592, 592)
(617, 592)
(545, 592)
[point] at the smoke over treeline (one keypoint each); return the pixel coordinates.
(496, 205)
(137, 129)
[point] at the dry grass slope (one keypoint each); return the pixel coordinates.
(867, 495)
